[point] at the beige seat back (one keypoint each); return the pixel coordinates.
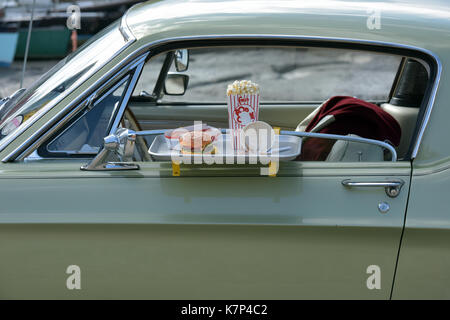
(347, 151)
(406, 118)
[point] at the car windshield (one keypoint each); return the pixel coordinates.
(62, 79)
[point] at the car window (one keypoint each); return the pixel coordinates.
(149, 76)
(64, 76)
(85, 135)
(293, 82)
(289, 74)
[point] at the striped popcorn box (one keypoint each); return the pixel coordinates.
(243, 107)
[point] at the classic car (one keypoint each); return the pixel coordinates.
(90, 210)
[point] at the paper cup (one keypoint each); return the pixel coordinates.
(257, 137)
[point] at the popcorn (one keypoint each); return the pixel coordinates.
(242, 87)
(243, 107)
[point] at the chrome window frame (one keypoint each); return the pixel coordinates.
(125, 29)
(44, 133)
(114, 87)
(23, 149)
(128, 93)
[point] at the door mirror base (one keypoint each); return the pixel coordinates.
(116, 154)
(182, 60)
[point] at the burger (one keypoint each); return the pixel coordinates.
(196, 142)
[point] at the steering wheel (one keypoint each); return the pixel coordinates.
(141, 143)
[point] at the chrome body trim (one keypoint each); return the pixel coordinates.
(126, 98)
(125, 30)
(150, 132)
(429, 108)
(145, 48)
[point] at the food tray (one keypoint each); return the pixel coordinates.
(289, 149)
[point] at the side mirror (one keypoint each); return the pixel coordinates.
(176, 84)
(121, 143)
(182, 60)
(118, 146)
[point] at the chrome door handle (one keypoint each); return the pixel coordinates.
(392, 187)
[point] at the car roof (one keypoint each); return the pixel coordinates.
(424, 24)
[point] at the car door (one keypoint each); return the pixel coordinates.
(226, 233)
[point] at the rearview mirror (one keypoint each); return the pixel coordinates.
(176, 84)
(182, 60)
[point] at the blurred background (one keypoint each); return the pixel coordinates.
(51, 39)
(367, 76)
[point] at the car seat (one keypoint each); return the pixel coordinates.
(348, 116)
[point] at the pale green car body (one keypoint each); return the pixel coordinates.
(230, 233)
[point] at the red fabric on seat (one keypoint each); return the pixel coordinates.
(352, 116)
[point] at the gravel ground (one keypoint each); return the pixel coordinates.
(283, 74)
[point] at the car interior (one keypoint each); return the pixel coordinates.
(295, 84)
